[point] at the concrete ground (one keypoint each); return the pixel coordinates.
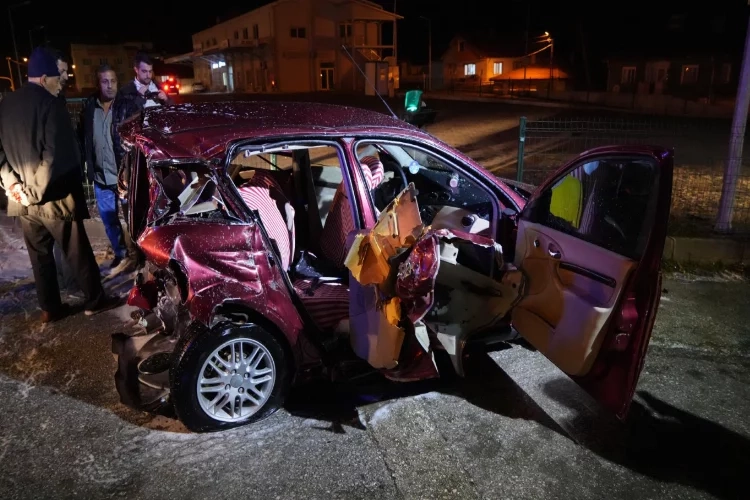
(516, 428)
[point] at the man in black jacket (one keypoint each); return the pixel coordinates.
(40, 169)
(97, 137)
(133, 98)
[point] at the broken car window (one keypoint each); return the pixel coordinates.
(185, 189)
(446, 198)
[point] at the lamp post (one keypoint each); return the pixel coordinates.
(13, 33)
(31, 36)
(429, 52)
(10, 73)
(551, 55)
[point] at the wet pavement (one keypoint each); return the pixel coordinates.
(516, 428)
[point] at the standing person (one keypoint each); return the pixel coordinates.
(133, 98)
(40, 169)
(97, 138)
(65, 276)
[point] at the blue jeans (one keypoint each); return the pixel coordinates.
(108, 203)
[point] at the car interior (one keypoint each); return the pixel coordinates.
(281, 182)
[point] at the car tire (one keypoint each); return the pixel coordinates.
(191, 364)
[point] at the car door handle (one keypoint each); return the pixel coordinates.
(554, 252)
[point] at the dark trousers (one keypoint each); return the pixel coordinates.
(40, 235)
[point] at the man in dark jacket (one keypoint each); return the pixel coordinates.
(97, 137)
(40, 169)
(132, 98)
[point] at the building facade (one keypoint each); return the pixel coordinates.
(86, 58)
(702, 76)
(293, 46)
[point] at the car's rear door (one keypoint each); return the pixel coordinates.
(590, 242)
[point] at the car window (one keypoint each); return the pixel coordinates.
(609, 202)
(447, 198)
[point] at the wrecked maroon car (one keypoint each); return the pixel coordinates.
(282, 239)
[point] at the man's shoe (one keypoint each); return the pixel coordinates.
(105, 304)
(115, 262)
(125, 265)
(53, 316)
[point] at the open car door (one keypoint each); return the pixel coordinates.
(589, 244)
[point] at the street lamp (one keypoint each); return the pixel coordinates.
(13, 34)
(429, 51)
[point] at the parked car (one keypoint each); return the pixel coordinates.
(199, 87)
(282, 239)
(171, 85)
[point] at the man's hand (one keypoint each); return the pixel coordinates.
(143, 89)
(162, 96)
(16, 194)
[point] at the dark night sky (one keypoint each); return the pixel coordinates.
(634, 26)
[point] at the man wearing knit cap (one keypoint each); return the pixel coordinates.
(40, 170)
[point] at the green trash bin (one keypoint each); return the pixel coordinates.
(412, 100)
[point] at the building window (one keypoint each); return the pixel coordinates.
(689, 75)
(628, 74)
(103, 60)
(498, 68)
(118, 61)
(236, 35)
(470, 69)
(87, 62)
(256, 32)
(460, 45)
(726, 73)
(244, 34)
(345, 30)
(298, 33)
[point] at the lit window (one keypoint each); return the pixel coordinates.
(628, 74)
(689, 74)
(470, 69)
(498, 68)
(726, 73)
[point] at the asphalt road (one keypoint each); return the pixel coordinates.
(517, 428)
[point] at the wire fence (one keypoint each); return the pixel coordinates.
(75, 107)
(701, 148)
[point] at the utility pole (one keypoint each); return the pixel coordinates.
(395, 34)
(526, 52)
(429, 52)
(13, 36)
(736, 142)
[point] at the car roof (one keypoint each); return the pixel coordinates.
(204, 129)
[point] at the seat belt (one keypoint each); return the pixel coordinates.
(301, 165)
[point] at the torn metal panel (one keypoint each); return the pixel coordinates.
(420, 279)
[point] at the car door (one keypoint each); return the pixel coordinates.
(589, 244)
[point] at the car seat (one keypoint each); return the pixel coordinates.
(263, 193)
(339, 222)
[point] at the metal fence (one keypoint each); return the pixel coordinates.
(75, 107)
(701, 148)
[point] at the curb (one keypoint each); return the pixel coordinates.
(706, 250)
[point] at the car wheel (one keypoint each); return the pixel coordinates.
(230, 376)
